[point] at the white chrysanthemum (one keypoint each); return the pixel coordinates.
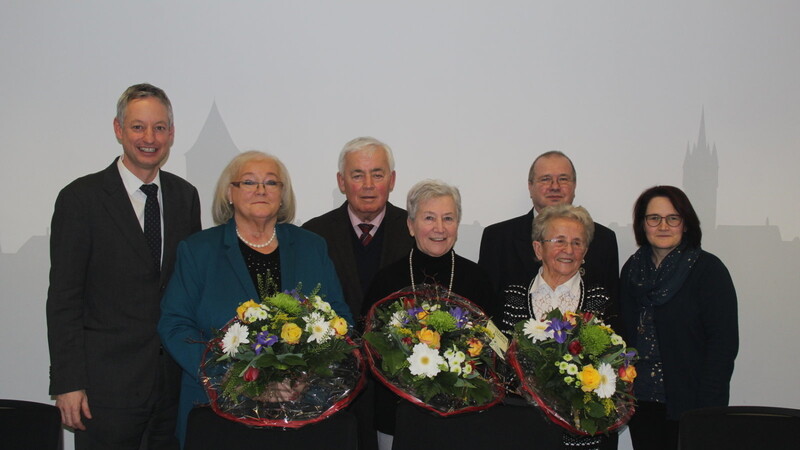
(467, 369)
(536, 330)
(608, 381)
(255, 313)
(567, 357)
(454, 356)
(454, 367)
(321, 304)
(425, 361)
(235, 336)
(572, 369)
(617, 339)
(398, 319)
(319, 327)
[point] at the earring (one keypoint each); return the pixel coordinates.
(582, 270)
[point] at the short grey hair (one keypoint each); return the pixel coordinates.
(428, 189)
(550, 154)
(365, 143)
(221, 207)
(550, 213)
(139, 91)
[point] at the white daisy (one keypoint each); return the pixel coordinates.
(425, 361)
(319, 328)
(608, 381)
(536, 330)
(617, 340)
(235, 336)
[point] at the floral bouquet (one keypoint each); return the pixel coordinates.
(432, 348)
(576, 369)
(285, 362)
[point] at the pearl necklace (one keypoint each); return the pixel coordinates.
(274, 233)
(452, 270)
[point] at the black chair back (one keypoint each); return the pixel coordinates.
(28, 425)
(739, 427)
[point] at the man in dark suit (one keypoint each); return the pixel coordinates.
(366, 176)
(112, 248)
(507, 249)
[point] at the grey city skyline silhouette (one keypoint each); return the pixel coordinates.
(761, 263)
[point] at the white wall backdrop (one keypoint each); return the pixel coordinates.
(465, 91)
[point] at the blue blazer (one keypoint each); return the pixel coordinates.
(211, 279)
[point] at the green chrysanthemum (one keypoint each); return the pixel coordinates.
(286, 303)
(441, 321)
(594, 339)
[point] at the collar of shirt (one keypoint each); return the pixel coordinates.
(565, 297)
(132, 184)
(355, 221)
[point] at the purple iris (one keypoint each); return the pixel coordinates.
(461, 316)
(414, 311)
(264, 339)
(628, 357)
(559, 329)
(295, 294)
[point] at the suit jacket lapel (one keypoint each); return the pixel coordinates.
(344, 247)
(172, 214)
(118, 204)
(523, 245)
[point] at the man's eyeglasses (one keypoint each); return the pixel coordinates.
(577, 244)
(547, 180)
(654, 220)
(252, 186)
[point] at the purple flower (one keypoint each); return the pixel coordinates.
(264, 339)
(559, 329)
(629, 357)
(461, 316)
(414, 311)
(296, 295)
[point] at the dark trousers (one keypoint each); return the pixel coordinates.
(651, 430)
(150, 426)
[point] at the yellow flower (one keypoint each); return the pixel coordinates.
(429, 337)
(475, 347)
(244, 307)
(570, 317)
(589, 378)
(422, 316)
(340, 325)
(290, 333)
(627, 373)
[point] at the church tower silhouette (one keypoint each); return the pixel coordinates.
(701, 177)
(211, 152)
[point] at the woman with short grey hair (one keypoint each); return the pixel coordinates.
(434, 213)
(561, 236)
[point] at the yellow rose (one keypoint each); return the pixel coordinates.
(589, 378)
(429, 337)
(422, 316)
(244, 307)
(475, 347)
(290, 333)
(340, 325)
